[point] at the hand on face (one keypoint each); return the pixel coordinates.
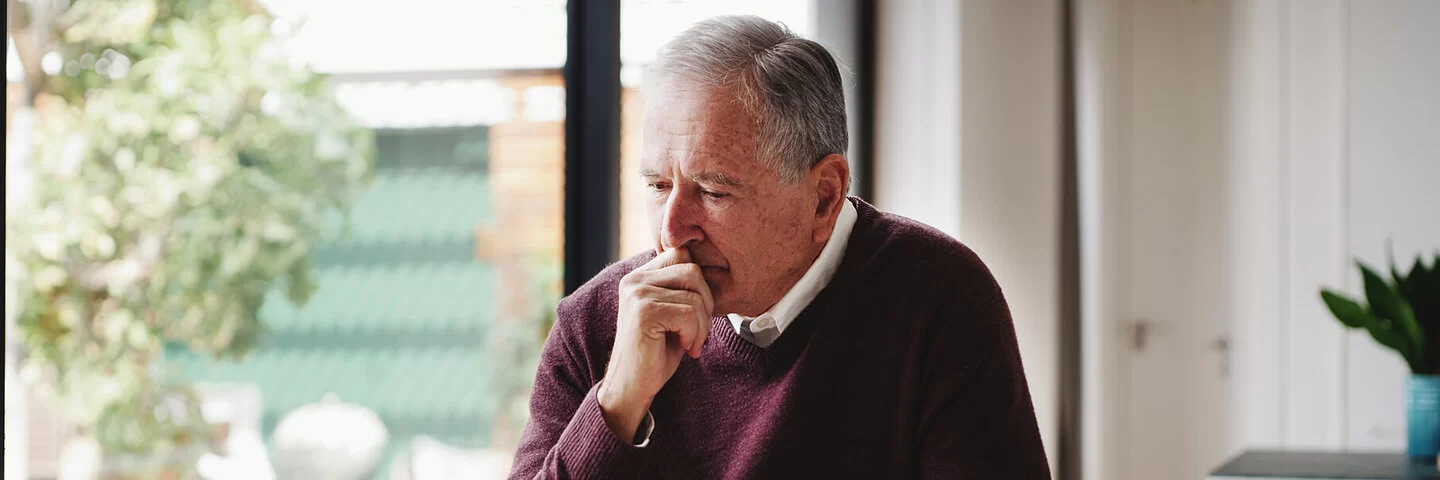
(664, 313)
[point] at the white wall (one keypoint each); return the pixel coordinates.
(1010, 176)
(917, 118)
(1332, 145)
(1285, 221)
(1393, 182)
(1336, 148)
(1314, 205)
(968, 141)
(1098, 95)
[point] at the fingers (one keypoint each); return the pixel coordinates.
(670, 295)
(684, 276)
(693, 345)
(673, 269)
(703, 334)
(682, 319)
(674, 256)
(678, 297)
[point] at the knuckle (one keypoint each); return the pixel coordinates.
(635, 289)
(637, 309)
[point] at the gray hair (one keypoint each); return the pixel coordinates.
(791, 84)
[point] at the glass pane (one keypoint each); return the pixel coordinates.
(645, 25)
(426, 313)
(433, 298)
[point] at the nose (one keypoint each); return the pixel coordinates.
(679, 222)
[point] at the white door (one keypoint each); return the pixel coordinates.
(1173, 60)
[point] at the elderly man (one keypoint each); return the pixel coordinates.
(780, 329)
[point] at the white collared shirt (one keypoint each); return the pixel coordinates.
(765, 328)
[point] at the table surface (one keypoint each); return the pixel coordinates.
(1270, 464)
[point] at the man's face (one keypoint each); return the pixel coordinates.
(707, 190)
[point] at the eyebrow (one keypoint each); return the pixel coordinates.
(711, 177)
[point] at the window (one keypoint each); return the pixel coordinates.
(432, 309)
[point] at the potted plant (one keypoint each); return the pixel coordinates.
(1403, 313)
(178, 168)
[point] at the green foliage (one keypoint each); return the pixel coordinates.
(181, 167)
(1402, 313)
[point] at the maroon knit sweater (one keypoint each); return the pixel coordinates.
(904, 366)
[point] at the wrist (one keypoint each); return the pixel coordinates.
(623, 413)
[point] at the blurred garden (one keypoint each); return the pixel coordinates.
(223, 264)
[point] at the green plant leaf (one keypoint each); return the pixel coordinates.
(1422, 292)
(1349, 312)
(1406, 283)
(1396, 341)
(1386, 303)
(1395, 273)
(1420, 289)
(1353, 315)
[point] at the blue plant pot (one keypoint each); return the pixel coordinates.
(1423, 411)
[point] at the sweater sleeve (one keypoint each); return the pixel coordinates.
(566, 435)
(978, 420)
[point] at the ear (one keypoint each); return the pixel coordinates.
(831, 177)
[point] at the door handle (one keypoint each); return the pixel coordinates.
(1140, 331)
(1221, 345)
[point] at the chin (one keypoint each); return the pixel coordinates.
(723, 308)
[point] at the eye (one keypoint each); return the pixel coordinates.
(714, 194)
(657, 186)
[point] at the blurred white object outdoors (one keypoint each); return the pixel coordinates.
(431, 459)
(237, 408)
(329, 440)
(79, 459)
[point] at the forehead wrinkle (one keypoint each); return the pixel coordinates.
(708, 128)
(714, 177)
(705, 144)
(703, 176)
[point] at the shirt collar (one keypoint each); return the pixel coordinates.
(815, 279)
